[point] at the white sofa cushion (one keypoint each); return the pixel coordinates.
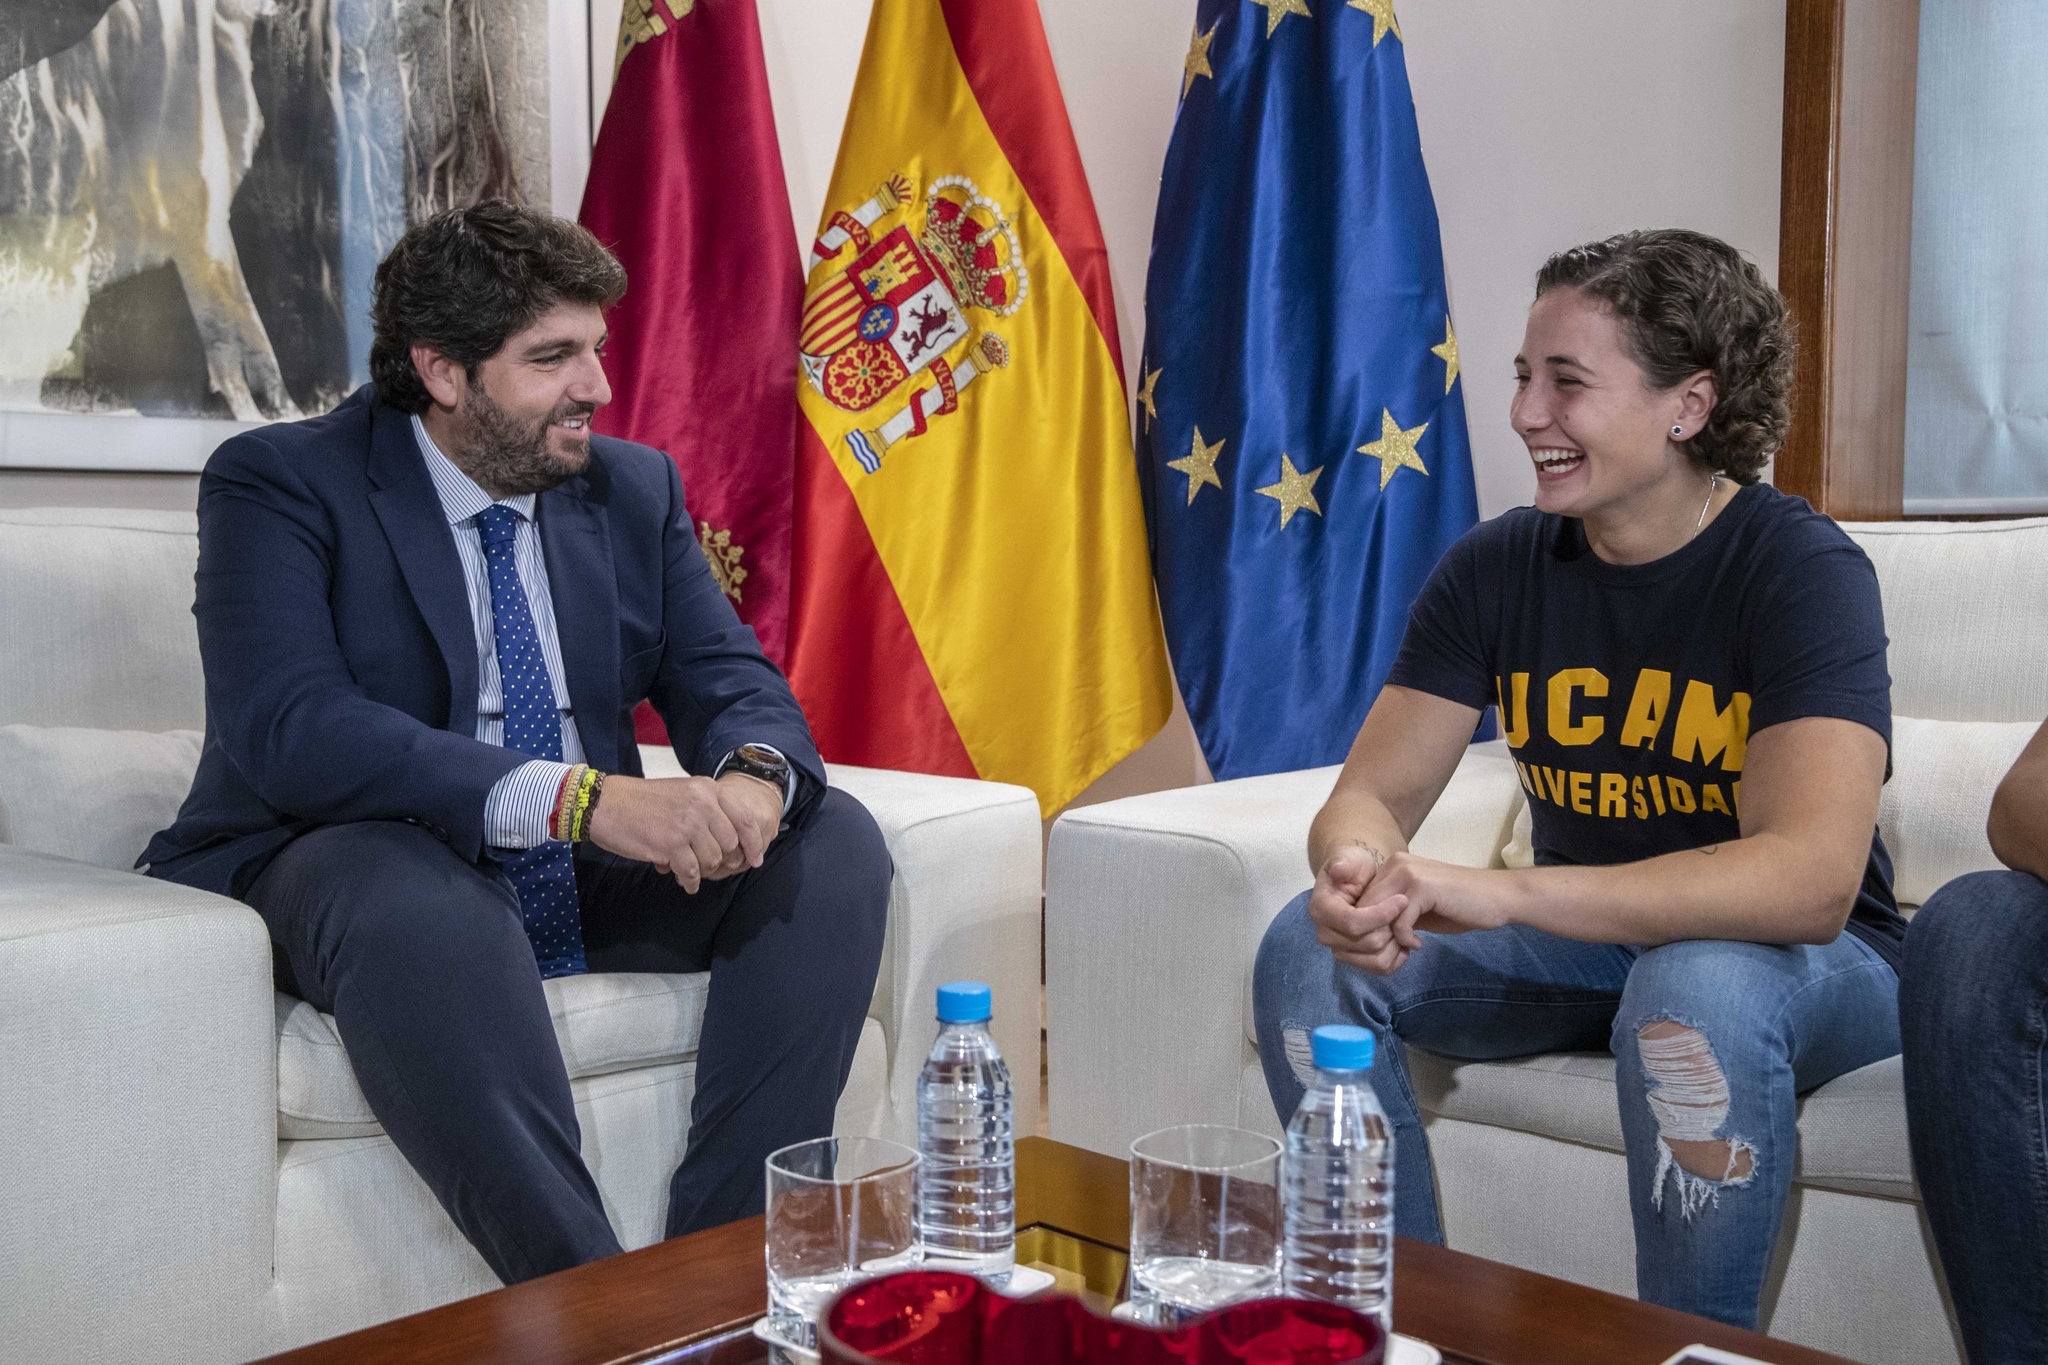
(1966, 607)
(1852, 1131)
(1933, 812)
(1520, 849)
(604, 1021)
(96, 610)
(93, 795)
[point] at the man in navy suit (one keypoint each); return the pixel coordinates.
(426, 619)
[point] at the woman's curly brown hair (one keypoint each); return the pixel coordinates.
(1689, 302)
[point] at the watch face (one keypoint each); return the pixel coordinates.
(756, 761)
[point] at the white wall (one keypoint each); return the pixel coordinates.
(1543, 125)
(1549, 124)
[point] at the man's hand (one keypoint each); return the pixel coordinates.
(755, 809)
(1373, 927)
(692, 828)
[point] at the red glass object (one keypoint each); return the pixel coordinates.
(925, 1317)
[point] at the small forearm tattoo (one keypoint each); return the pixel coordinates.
(1710, 850)
(1379, 859)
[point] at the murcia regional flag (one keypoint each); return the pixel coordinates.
(971, 590)
(686, 188)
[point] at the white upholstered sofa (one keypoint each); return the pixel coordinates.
(190, 1173)
(1155, 905)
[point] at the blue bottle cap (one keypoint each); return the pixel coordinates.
(1340, 1047)
(964, 1002)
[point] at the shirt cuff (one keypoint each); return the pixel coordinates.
(788, 780)
(522, 804)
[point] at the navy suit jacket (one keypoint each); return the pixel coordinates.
(341, 665)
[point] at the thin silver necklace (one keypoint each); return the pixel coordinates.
(1713, 487)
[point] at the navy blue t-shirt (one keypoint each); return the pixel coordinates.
(1628, 692)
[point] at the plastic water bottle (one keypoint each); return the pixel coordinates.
(1338, 1202)
(967, 1189)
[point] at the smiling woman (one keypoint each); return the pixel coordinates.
(1656, 364)
(1690, 669)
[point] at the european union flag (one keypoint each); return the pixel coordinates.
(1301, 426)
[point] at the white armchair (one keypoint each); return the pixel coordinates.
(193, 1174)
(1156, 904)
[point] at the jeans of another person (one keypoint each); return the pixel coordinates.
(1973, 1010)
(423, 961)
(1756, 1025)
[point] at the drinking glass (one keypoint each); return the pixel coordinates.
(839, 1210)
(1205, 1221)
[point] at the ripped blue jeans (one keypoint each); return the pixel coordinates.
(1737, 1031)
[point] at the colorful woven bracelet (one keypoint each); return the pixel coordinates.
(586, 797)
(590, 806)
(561, 822)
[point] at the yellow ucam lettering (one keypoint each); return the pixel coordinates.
(1582, 793)
(1711, 799)
(1704, 730)
(1613, 795)
(1563, 683)
(1635, 789)
(1646, 708)
(1517, 720)
(1681, 795)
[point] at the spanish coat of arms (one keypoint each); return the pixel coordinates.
(892, 300)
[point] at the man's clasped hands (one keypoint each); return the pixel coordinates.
(696, 829)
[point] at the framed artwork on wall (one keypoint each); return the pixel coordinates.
(194, 196)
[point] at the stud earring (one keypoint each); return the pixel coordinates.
(1678, 431)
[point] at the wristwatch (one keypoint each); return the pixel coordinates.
(758, 761)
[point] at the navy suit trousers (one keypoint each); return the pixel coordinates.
(421, 958)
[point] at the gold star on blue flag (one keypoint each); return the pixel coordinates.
(1296, 297)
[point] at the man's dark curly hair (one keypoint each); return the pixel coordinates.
(1689, 302)
(465, 280)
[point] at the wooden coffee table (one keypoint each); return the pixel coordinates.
(691, 1301)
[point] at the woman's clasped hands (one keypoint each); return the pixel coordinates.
(1368, 908)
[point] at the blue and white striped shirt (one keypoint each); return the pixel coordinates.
(519, 807)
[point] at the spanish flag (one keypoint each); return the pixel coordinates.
(971, 589)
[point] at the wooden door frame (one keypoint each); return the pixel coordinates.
(1845, 233)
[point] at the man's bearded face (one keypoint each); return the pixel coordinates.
(511, 454)
(524, 413)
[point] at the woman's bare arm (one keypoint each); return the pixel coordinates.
(1404, 755)
(2019, 812)
(1809, 804)
(1405, 752)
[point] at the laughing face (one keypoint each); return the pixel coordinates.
(524, 416)
(1599, 435)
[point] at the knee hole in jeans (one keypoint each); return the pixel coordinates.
(1294, 1042)
(1688, 1095)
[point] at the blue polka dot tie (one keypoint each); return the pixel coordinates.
(544, 875)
